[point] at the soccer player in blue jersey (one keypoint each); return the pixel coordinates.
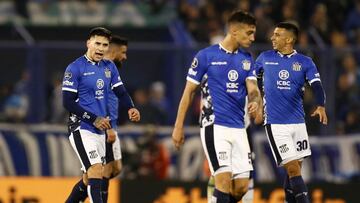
(284, 73)
(87, 84)
(225, 72)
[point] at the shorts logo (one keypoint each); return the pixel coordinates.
(283, 148)
(296, 66)
(99, 83)
(284, 74)
(246, 64)
(93, 154)
(233, 75)
(223, 156)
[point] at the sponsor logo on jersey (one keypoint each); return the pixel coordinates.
(296, 66)
(67, 75)
(100, 83)
(68, 83)
(218, 63)
(283, 83)
(192, 72)
(89, 73)
(246, 64)
(271, 63)
(232, 86)
(194, 63)
(107, 73)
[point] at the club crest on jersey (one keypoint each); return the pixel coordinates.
(100, 83)
(194, 63)
(67, 75)
(296, 66)
(107, 73)
(233, 75)
(246, 64)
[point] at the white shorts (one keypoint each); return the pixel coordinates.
(113, 150)
(89, 146)
(227, 150)
(288, 142)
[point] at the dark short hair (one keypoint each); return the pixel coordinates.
(242, 17)
(116, 39)
(291, 27)
(100, 31)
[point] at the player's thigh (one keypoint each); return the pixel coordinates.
(89, 147)
(301, 141)
(281, 142)
(241, 154)
(217, 148)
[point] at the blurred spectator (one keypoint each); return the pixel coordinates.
(159, 99)
(319, 26)
(352, 23)
(17, 104)
(154, 158)
(150, 114)
(264, 25)
(57, 112)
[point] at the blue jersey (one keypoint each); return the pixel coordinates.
(284, 78)
(222, 75)
(113, 106)
(93, 83)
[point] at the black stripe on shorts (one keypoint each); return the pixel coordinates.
(210, 146)
(109, 153)
(272, 143)
(80, 149)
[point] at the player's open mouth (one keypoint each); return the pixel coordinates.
(99, 54)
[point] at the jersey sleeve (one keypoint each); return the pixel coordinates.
(198, 68)
(71, 79)
(115, 77)
(259, 66)
(311, 72)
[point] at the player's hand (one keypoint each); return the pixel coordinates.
(320, 110)
(111, 135)
(102, 123)
(252, 107)
(134, 115)
(178, 137)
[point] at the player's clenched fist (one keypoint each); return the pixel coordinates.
(134, 115)
(178, 137)
(102, 123)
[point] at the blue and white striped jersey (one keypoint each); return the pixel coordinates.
(284, 77)
(222, 75)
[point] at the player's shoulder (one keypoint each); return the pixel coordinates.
(77, 63)
(209, 50)
(304, 58)
(268, 53)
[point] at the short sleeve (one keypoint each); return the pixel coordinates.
(259, 66)
(71, 79)
(311, 72)
(198, 68)
(115, 77)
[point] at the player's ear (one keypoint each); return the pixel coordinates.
(88, 43)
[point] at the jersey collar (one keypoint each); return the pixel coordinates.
(227, 51)
(287, 55)
(91, 61)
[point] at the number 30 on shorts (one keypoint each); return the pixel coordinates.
(302, 145)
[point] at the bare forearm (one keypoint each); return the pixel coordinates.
(185, 102)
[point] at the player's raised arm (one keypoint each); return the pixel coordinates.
(186, 100)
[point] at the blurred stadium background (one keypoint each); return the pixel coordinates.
(39, 38)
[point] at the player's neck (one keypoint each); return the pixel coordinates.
(229, 45)
(286, 50)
